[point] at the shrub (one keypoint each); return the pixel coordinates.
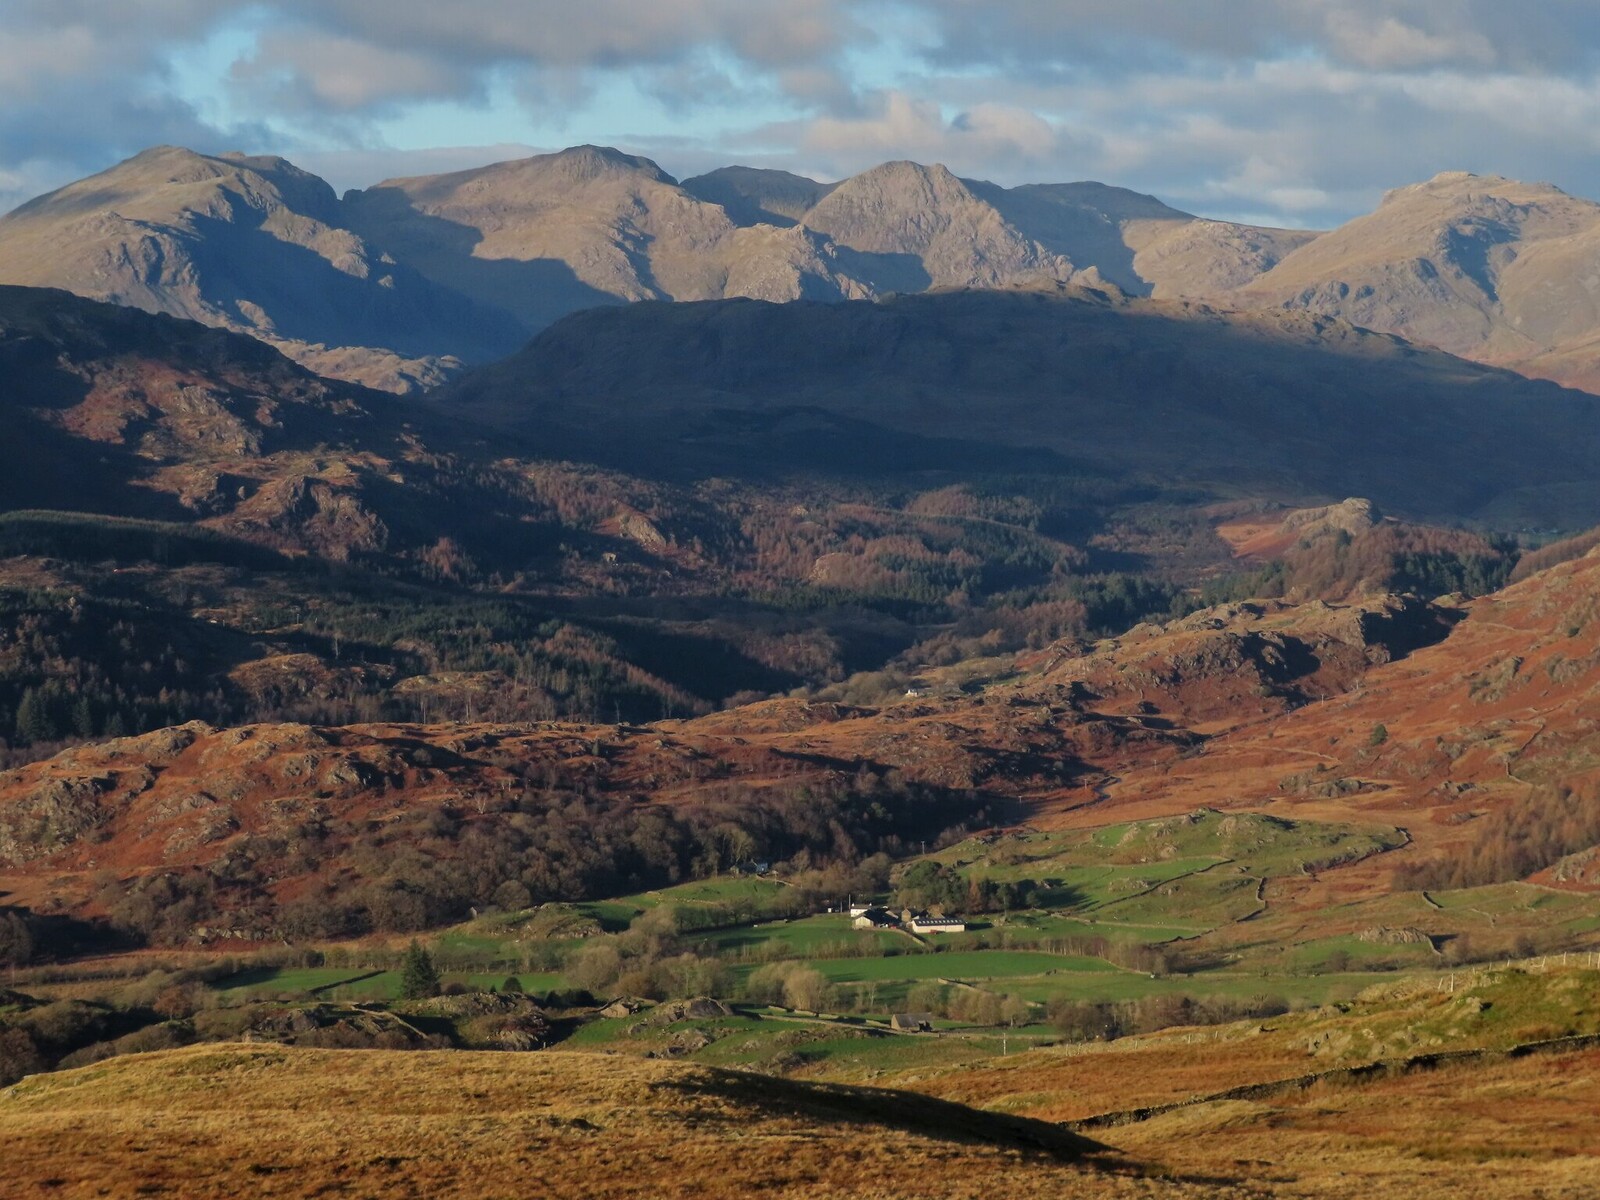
(419, 978)
(19, 1056)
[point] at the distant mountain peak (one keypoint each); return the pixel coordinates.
(1464, 184)
(597, 161)
(1480, 265)
(904, 168)
(759, 195)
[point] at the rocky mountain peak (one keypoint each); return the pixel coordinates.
(1478, 265)
(584, 163)
(757, 196)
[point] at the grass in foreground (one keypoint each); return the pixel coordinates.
(227, 1121)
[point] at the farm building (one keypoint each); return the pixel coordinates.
(912, 1022)
(877, 918)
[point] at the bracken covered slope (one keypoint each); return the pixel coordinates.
(120, 412)
(280, 809)
(1485, 746)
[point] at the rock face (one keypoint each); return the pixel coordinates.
(542, 236)
(926, 228)
(1481, 266)
(1259, 655)
(1139, 244)
(335, 1026)
(400, 284)
(254, 245)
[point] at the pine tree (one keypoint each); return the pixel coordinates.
(419, 978)
(16, 940)
(33, 719)
(83, 718)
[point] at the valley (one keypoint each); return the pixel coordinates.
(896, 683)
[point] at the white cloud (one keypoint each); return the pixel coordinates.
(1304, 109)
(1387, 43)
(345, 75)
(895, 125)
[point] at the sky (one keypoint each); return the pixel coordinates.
(1287, 112)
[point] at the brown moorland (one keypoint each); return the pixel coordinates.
(1415, 1089)
(247, 1120)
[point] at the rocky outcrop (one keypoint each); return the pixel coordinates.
(1243, 656)
(51, 815)
(330, 1026)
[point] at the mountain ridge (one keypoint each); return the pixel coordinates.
(430, 272)
(405, 283)
(1051, 372)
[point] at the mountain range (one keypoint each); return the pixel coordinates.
(1172, 605)
(401, 284)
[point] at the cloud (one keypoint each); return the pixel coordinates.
(323, 72)
(1118, 35)
(1301, 111)
(895, 125)
(1389, 43)
(596, 33)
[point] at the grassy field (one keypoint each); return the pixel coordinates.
(800, 938)
(958, 964)
(273, 980)
(342, 983)
(722, 891)
(1259, 845)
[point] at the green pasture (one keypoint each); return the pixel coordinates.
(802, 937)
(733, 891)
(1205, 900)
(1063, 925)
(1096, 862)
(958, 964)
(365, 983)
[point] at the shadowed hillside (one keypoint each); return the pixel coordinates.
(1286, 405)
